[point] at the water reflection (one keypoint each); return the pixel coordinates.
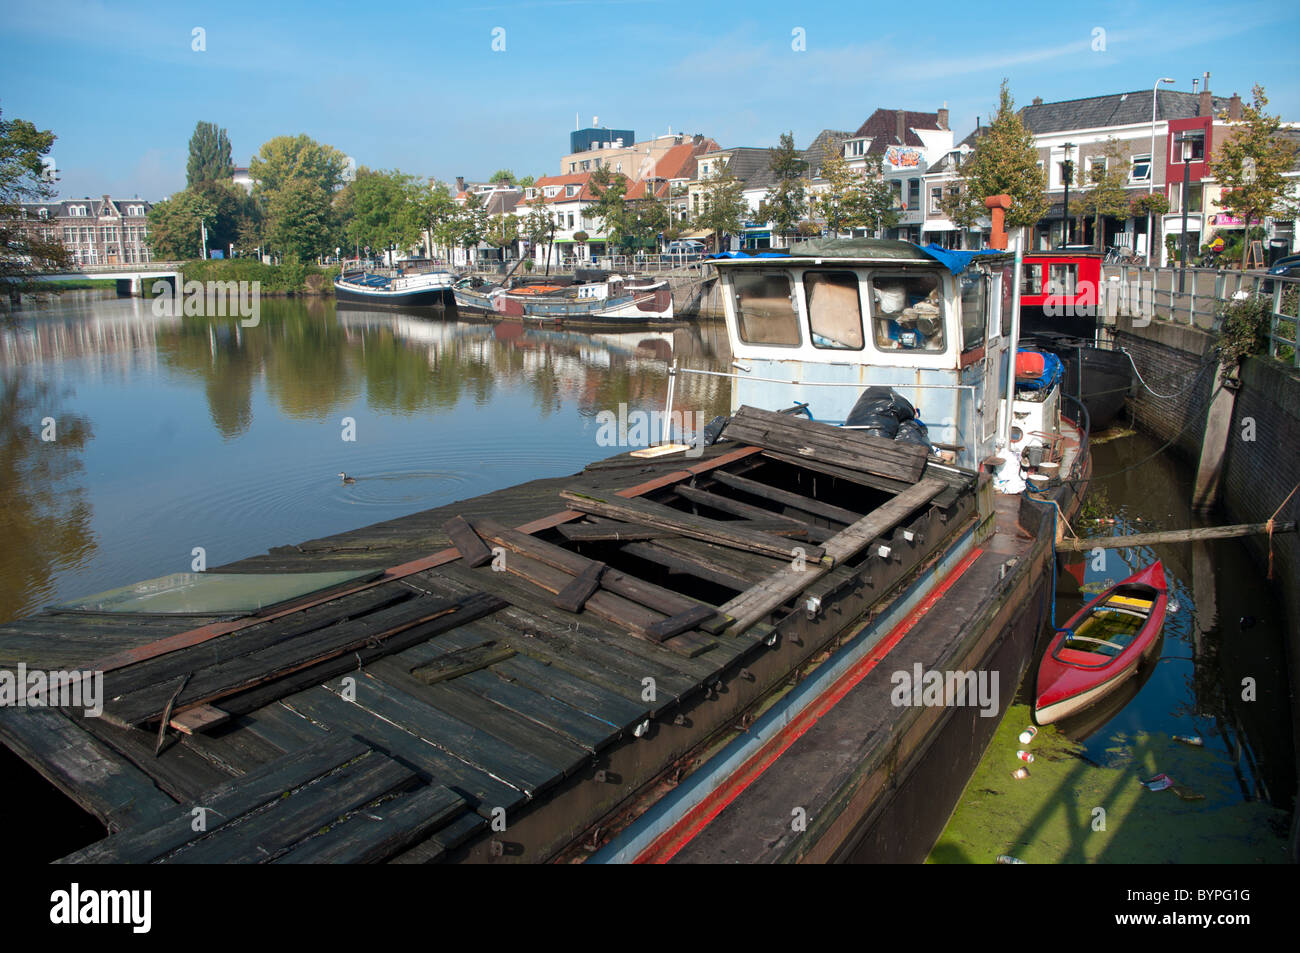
(210, 433)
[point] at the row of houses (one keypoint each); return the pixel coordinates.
(921, 159)
(100, 231)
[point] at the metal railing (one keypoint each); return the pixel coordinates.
(1198, 300)
(639, 264)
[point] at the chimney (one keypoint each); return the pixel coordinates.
(943, 117)
(1205, 105)
(1234, 107)
(900, 128)
(460, 183)
(1038, 100)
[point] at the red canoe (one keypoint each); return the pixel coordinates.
(1101, 645)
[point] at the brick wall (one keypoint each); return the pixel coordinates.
(1172, 359)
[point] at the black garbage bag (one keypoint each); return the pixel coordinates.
(913, 431)
(876, 425)
(714, 428)
(880, 402)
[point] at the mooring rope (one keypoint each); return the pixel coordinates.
(1269, 524)
(1178, 393)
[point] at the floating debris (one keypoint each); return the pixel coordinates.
(1196, 741)
(1027, 735)
(1025, 756)
(1020, 773)
(1186, 794)
(1008, 859)
(1159, 783)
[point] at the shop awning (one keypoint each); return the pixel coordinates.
(698, 233)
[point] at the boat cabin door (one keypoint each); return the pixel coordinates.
(986, 321)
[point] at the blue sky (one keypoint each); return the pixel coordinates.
(417, 86)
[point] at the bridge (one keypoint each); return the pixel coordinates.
(130, 278)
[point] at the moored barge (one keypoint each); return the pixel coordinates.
(661, 658)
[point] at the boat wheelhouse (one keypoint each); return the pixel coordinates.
(819, 326)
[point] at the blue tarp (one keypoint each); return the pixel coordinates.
(1053, 370)
(952, 259)
(738, 254)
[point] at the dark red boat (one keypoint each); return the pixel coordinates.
(1101, 646)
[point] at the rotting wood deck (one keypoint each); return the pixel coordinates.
(407, 718)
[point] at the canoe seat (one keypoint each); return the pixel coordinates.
(1131, 602)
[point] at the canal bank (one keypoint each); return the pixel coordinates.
(1247, 450)
(1232, 795)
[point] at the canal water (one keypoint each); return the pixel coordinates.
(176, 434)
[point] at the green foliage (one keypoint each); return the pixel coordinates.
(299, 220)
(1252, 166)
(1244, 331)
(855, 199)
(378, 209)
(1105, 193)
(503, 177)
(581, 237)
(634, 223)
(785, 203)
(527, 182)
(288, 277)
(723, 208)
(1155, 203)
(175, 226)
(1005, 162)
(209, 155)
(288, 158)
(22, 179)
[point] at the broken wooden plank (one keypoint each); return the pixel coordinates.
(797, 500)
(620, 583)
(373, 836)
(689, 564)
(199, 719)
(725, 504)
(614, 531)
(679, 623)
(697, 527)
(756, 603)
(472, 549)
(88, 771)
(575, 595)
(222, 805)
(461, 662)
(822, 442)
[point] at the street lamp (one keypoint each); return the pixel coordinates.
(1151, 170)
(1067, 173)
(1185, 141)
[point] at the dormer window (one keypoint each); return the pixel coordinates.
(77, 210)
(570, 191)
(44, 214)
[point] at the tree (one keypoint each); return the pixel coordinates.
(176, 226)
(209, 155)
(288, 158)
(24, 250)
(536, 226)
(379, 209)
(1005, 162)
(299, 220)
(1105, 193)
(527, 182)
(503, 177)
(609, 190)
(1251, 166)
(437, 208)
(723, 208)
(784, 204)
(855, 199)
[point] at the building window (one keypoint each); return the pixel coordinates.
(896, 187)
(1197, 139)
(1141, 171)
(834, 310)
(765, 309)
(573, 167)
(913, 193)
(854, 148)
(570, 191)
(1062, 280)
(44, 214)
(1031, 280)
(77, 210)
(936, 196)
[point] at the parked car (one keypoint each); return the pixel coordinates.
(687, 249)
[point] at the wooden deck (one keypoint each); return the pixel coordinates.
(527, 665)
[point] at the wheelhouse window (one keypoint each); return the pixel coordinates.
(1062, 279)
(834, 309)
(1031, 279)
(972, 311)
(908, 312)
(765, 311)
